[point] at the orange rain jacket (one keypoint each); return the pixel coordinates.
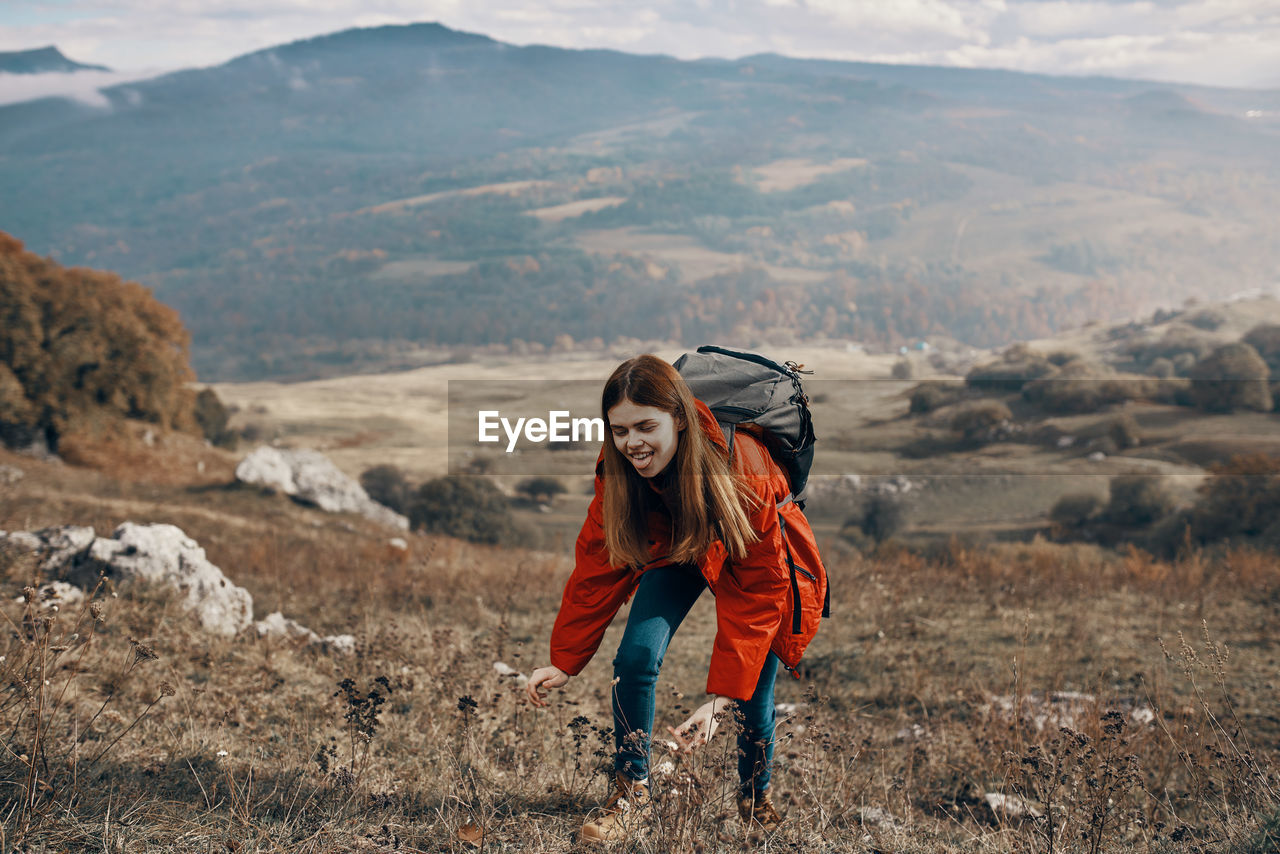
(754, 597)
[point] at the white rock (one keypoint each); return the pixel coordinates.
(506, 670)
(60, 595)
(1005, 807)
(1097, 457)
(277, 625)
(312, 477)
(341, 644)
(10, 474)
(398, 543)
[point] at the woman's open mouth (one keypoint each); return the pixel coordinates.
(641, 460)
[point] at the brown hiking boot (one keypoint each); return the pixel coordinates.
(627, 810)
(757, 812)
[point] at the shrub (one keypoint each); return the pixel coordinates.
(467, 507)
(387, 485)
(1137, 500)
(1075, 509)
(1017, 366)
(977, 420)
(541, 490)
(902, 369)
(212, 417)
(1124, 431)
(1265, 338)
(1231, 377)
(1161, 368)
(1179, 344)
(1241, 498)
(876, 517)
(1208, 319)
(928, 396)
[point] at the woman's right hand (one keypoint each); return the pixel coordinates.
(543, 678)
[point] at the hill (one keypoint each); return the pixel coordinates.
(40, 61)
(344, 203)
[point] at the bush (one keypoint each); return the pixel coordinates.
(1208, 319)
(1231, 377)
(928, 396)
(541, 490)
(1162, 368)
(1179, 344)
(467, 507)
(387, 485)
(876, 517)
(1075, 509)
(1265, 338)
(977, 421)
(1241, 498)
(902, 370)
(212, 417)
(1137, 500)
(1017, 366)
(1124, 431)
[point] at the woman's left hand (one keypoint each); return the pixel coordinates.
(701, 725)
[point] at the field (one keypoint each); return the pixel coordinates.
(1129, 701)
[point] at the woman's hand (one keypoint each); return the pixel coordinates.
(701, 725)
(543, 678)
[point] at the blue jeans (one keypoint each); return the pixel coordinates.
(663, 599)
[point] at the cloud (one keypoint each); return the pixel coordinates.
(82, 86)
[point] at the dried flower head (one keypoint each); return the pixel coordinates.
(95, 609)
(167, 689)
(142, 652)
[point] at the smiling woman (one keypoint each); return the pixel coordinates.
(676, 512)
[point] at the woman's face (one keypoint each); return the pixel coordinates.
(646, 435)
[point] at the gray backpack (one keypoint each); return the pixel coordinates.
(745, 388)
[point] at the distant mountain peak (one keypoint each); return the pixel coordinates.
(41, 60)
(430, 34)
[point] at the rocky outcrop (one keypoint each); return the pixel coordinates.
(311, 477)
(160, 554)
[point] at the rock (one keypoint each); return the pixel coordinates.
(10, 475)
(1097, 457)
(398, 543)
(1004, 808)
(164, 554)
(277, 625)
(1065, 709)
(156, 553)
(56, 547)
(878, 818)
(507, 671)
(311, 477)
(341, 644)
(60, 596)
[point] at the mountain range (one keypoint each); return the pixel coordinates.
(375, 196)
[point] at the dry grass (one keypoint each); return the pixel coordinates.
(940, 679)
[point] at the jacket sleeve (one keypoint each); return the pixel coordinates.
(592, 596)
(751, 597)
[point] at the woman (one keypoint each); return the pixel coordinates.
(675, 513)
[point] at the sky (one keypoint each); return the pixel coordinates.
(1213, 42)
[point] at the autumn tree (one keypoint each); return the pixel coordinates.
(82, 347)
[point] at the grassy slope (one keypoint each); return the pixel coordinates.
(894, 708)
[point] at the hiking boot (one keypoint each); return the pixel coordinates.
(627, 809)
(757, 812)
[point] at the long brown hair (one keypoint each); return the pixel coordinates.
(712, 499)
